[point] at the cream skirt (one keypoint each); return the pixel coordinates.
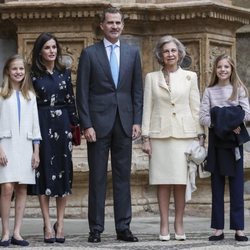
(168, 163)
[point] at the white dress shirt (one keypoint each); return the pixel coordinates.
(116, 49)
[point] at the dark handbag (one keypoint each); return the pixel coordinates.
(76, 135)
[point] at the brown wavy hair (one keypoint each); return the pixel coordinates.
(37, 65)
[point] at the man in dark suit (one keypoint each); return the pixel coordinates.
(110, 110)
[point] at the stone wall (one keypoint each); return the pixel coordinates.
(241, 3)
(7, 47)
(243, 51)
(131, 1)
(207, 28)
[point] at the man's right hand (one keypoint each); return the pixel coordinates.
(89, 134)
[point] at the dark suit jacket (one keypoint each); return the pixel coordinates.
(222, 140)
(98, 99)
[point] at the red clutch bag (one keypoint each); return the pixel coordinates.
(76, 135)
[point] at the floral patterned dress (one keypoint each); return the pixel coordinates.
(56, 109)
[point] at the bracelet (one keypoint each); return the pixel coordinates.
(145, 139)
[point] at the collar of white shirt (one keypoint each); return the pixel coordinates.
(108, 43)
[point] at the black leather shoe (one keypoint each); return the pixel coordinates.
(58, 240)
(126, 235)
(240, 237)
(48, 240)
(94, 236)
(4, 243)
(216, 237)
(16, 242)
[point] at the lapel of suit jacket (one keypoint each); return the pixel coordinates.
(101, 56)
(124, 55)
(162, 81)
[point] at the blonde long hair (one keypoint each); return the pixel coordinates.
(234, 78)
(26, 84)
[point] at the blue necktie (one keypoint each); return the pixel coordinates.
(114, 64)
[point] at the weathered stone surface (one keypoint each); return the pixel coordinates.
(207, 29)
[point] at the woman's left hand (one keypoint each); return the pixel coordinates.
(146, 147)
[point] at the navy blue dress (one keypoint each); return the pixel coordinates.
(56, 109)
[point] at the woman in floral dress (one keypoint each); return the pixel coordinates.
(56, 108)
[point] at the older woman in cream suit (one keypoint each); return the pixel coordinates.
(170, 123)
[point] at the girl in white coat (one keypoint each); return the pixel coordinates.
(19, 144)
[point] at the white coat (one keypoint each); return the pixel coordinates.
(15, 140)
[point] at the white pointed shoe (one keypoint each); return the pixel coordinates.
(164, 237)
(180, 237)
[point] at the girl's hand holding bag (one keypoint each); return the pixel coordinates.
(201, 170)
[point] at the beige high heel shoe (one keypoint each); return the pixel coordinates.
(180, 237)
(164, 237)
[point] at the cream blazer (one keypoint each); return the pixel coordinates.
(171, 111)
